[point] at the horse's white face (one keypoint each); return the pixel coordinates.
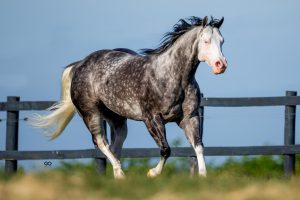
(210, 49)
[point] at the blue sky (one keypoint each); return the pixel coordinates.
(39, 38)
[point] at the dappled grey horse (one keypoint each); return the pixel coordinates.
(157, 86)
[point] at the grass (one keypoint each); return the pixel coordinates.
(246, 178)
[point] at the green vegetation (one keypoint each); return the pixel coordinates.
(258, 167)
(245, 178)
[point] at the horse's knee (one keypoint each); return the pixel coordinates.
(165, 152)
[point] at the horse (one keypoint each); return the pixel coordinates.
(155, 86)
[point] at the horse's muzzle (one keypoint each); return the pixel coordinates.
(220, 66)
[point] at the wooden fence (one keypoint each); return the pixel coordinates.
(13, 106)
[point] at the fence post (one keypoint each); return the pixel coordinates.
(289, 135)
(12, 127)
(101, 163)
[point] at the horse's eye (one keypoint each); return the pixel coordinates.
(206, 42)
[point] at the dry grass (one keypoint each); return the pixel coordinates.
(79, 185)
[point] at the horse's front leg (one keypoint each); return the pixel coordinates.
(191, 127)
(156, 128)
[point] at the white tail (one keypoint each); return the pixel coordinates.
(62, 112)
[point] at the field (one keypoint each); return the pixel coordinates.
(246, 178)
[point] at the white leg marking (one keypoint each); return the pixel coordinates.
(118, 172)
(158, 169)
(201, 162)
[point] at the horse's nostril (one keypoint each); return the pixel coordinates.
(219, 64)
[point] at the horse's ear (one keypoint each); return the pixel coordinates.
(219, 23)
(204, 21)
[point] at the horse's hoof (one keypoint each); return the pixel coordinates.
(119, 174)
(120, 177)
(152, 173)
(202, 174)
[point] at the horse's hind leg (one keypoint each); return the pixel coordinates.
(157, 130)
(94, 122)
(119, 133)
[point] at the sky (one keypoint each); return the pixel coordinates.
(262, 40)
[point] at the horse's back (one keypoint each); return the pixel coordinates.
(112, 78)
(103, 61)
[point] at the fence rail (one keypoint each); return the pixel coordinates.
(151, 152)
(208, 102)
(13, 106)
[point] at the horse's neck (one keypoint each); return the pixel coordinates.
(179, 62)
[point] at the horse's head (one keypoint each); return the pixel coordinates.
(210, 45)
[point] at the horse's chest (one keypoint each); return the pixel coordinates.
(174, 112)
(172, 106)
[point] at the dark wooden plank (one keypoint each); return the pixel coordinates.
(289, 136)
(212, 102)
(140, 152)
(254, 150)
(253, 101)
(12, 135)
(42, 155)
(35, 105)
(26, 105)
(150, 152)
(3, 106)
(101, 165)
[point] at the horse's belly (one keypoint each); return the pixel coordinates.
(125, 109)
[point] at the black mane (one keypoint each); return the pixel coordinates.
(180, 28)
